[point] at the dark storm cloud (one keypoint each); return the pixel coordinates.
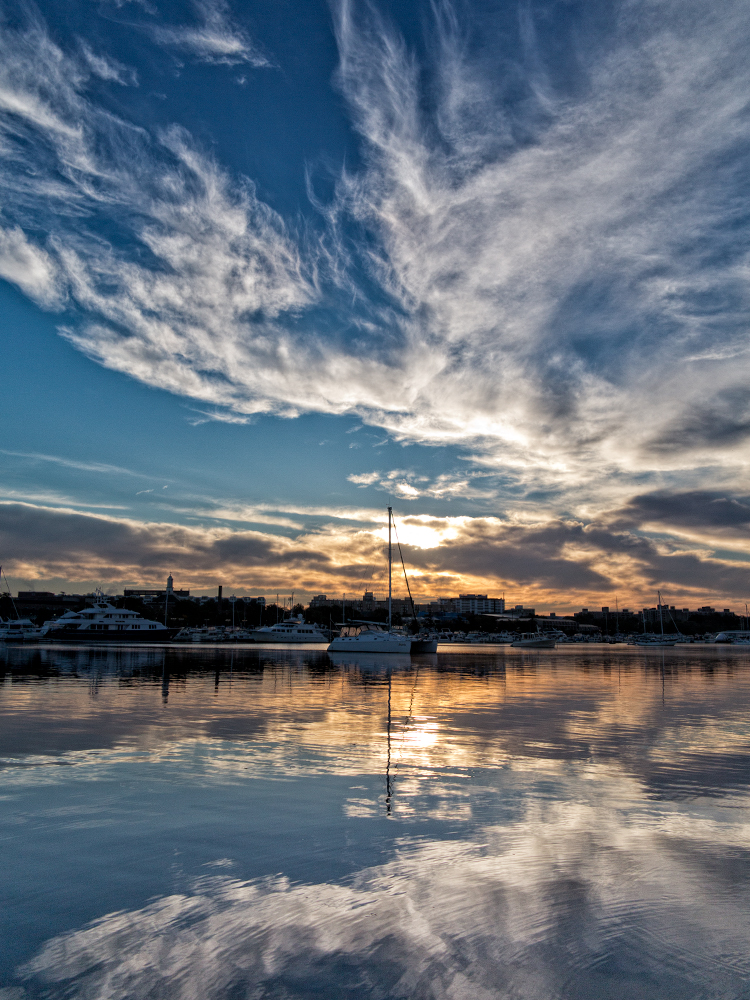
(693, 509)
(58, 542)
(721, 421)
(549, 560)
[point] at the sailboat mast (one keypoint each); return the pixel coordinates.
(661, 618)
(390, 563)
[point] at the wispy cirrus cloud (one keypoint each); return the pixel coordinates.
(107, 68)
(409, 485)
(71, 463)
(535, 257)
(215, 38)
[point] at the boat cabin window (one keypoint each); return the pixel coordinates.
(353, 630)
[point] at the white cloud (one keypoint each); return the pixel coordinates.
(410, 485)
(108, 68)
(542, 557)
(215, 39)
(71, 463)
(551, 263)
(533, 907)
(29, 267)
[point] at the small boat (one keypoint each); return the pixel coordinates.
(291, 630)
(733, 637)
(534, 640)
(103, 622)
(19, 630)
(653, 639)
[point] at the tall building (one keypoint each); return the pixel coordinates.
(480, 604)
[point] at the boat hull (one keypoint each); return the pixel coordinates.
(137, 635)
(353, 644)
(424, 645)
(534, 644)
(288, 641)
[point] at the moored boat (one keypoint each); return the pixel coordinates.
(103, 622)
(19, 630)
(656, 638)
(374, 637)
(534, 640)
(653, 639)
(733, 637)
(293, 630)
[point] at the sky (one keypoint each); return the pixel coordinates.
(266, 268)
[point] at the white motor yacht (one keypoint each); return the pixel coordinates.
(534, 640)
(103, 622)
(291, 630)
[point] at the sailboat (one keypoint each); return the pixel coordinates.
(651, 638)
(20, 630)
(374, 637)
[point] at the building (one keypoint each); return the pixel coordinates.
(168, 590)
(29, 601)
(519, 611)
(321, 601)
(480, 604)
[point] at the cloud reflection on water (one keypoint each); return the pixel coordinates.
(593, 811)
(590, 888)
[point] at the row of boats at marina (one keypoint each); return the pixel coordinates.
(103, 622)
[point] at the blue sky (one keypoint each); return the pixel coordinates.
(266, 265)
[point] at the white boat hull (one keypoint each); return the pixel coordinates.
(389, 643)
(286, 640)
(534, 644)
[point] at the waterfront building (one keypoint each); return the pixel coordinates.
(162, 593)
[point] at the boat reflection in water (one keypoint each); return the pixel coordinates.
(376, 662)
(272, 823)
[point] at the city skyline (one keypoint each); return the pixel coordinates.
(264, 271)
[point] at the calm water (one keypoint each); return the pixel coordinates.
(205, 823)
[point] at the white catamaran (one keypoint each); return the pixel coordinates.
(373, 637)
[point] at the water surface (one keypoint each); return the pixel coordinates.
(268, 823)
